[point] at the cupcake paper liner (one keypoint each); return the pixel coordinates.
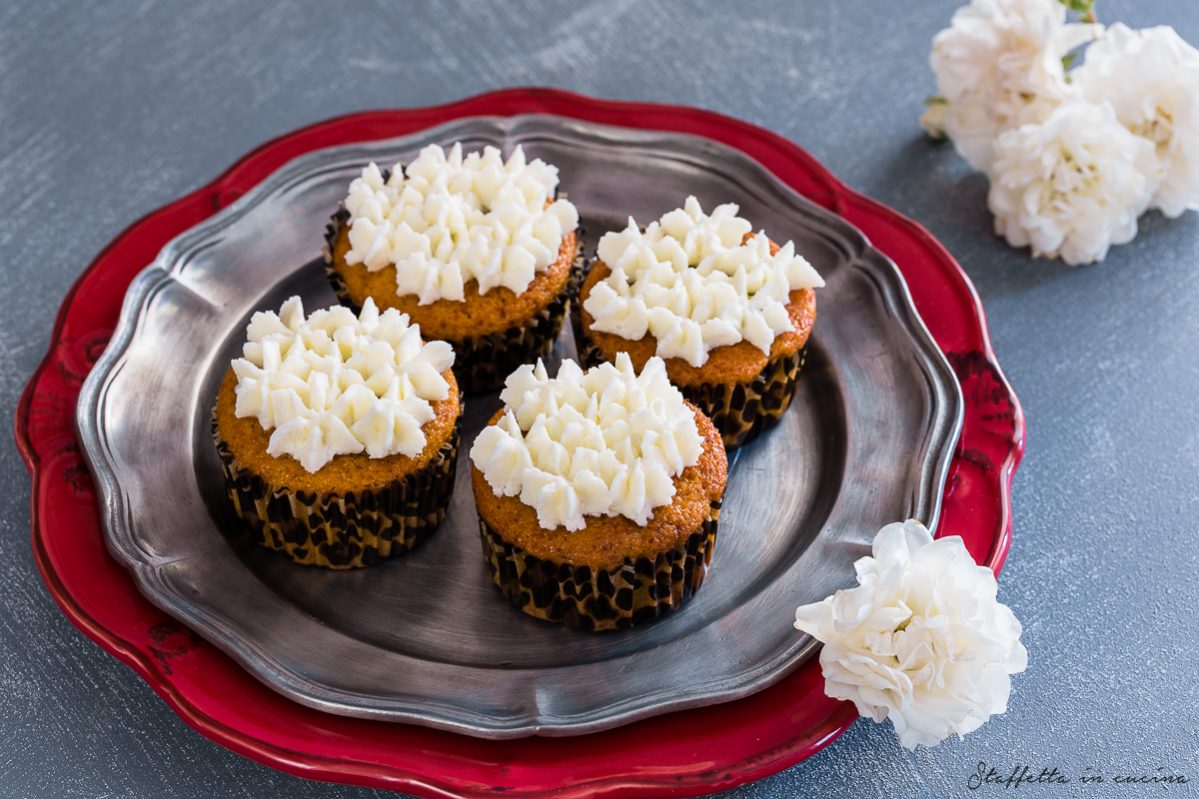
(740, 411)
(482, 363)
(343, 531)
(635, 592)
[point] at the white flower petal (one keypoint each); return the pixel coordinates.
(999, 66)
(1151, 79)
(1073, 185)
(921, 640)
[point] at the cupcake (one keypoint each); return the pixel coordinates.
(338, 433)
(474, 249)
(598, 494)
(729, 311)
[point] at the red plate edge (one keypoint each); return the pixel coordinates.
(682, 754)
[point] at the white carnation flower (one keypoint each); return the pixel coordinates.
(922, 640)
(1151, 78)
(1073, 185)
(999, 65)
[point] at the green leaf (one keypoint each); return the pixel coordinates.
(1068, 61)
(1085, 8)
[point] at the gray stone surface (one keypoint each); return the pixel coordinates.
(107, 111)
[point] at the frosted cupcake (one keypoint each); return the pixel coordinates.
(598, 494)
(729, 311)
(473, 248)
(338, 433)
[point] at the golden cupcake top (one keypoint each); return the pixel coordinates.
(338, 383)
(605, 442)
(696, 282)
(448, 219)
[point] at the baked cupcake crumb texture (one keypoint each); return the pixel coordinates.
(336, 383)
(697, 282)
(603, 443)
(740, 410)
(598, 494)
(338, 434)
(475, 249)
(447, 220)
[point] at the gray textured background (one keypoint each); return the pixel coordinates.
(108, 111)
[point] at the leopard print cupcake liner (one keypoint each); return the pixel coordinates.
(343, 531)
(740, 411)
(482, 363)
(635, 592)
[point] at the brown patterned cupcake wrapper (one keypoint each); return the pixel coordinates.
(740, 411)
(635, 592)
(482, 363)
(343, 531)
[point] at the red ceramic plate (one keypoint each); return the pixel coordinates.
(681, 754)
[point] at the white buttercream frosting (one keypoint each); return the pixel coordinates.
(449, 219)
(606, 442)
(337, 383)
(688, 280)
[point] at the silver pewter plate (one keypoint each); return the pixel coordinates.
(426, 638)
